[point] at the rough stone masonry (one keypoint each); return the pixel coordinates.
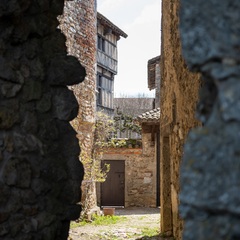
(40, 173)
(210, 182)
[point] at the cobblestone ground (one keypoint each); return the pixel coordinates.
(137, 221)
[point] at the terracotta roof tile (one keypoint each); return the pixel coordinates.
(151, 116)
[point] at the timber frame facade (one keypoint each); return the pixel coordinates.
(107, 60)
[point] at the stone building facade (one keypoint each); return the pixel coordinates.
(79, 24)
(208, 195)
(178, 100)
(141, 183)
(140, 175)
(92, 39)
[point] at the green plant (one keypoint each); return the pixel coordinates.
(150, 232)
(126, 123)
(123, 142)
(91, 156)
(107, 220)
(75, 224)
(99, 220)
(93, 170)
(117, 143)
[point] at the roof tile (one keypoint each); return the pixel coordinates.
(151, 116)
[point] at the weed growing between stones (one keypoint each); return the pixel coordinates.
(106, 220)
(99, 220)
(150, 232)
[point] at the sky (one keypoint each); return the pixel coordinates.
(140, 20)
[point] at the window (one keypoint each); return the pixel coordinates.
(99, 90)
(104, 92)
(99, 80)
(99, 97)
(101, 43)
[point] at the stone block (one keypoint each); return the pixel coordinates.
(10, 90)
(65, 104)
(65, 71)
(210, 169)
(4, 229)
(4, 216)
(8, 117)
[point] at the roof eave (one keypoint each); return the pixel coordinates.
(107, 22)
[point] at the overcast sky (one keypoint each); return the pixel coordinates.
(140, 19)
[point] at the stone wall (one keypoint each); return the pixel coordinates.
(79, 25)
(140, 172)
(210, 183)
(40, 174)
(179, 94)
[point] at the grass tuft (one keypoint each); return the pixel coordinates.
(107, 220)
(99, 220)
(150, 232)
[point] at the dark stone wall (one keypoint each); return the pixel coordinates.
(40, 174)
(210, 182)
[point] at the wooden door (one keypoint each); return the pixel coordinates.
(112, 190)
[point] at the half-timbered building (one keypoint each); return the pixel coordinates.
(108, 35)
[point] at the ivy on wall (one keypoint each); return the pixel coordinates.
(126, 126)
